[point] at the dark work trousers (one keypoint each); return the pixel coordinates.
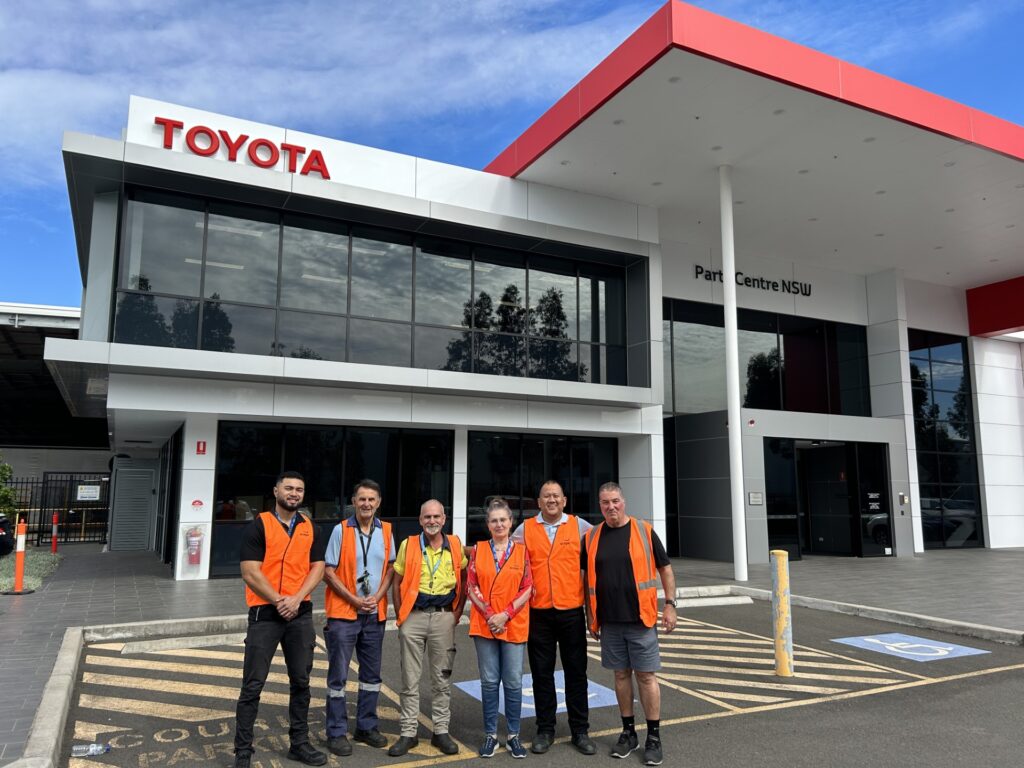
(364, 634)
(297, 637)
(551, 627)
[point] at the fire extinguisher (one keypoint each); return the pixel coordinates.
(194, 542)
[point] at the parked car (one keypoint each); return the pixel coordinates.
(6, 536)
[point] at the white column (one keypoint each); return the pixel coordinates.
(460, 478)
(732, 379)
(196, 502)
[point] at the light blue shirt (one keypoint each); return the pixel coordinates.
(551, 529)
(374, 563)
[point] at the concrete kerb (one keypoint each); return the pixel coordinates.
(43, 749)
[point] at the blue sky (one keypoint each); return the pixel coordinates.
(448, 80)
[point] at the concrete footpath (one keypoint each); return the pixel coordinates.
(978, 587)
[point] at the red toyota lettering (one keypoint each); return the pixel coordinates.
(256, 145)
(292, 152)
(211, 137)
(169, 126)
(233, 146)
(315, 164)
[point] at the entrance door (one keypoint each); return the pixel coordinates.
(828, 497)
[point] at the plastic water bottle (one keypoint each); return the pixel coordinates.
(88, 750)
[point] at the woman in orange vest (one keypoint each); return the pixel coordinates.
(499, 586)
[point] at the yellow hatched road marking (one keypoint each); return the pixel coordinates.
(751, 697)
(85, 731)
(705, 695)
(751, 684)
(771, 673)
(152, 709)
(188, 689)
(236, 656)
(736, 649)
(108, 646)
(675, 639)
(770, 660)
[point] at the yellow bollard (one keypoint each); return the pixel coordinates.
(782, 618)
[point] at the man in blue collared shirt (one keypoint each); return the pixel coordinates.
(358, 573)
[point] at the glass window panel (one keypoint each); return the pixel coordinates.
(156, 321)
(699, 364)
(426, 471)
(316, 452)
(954, 436)
(603, 306)
(443, 294)
(927, 467)
(552, 305)
(379, 343)
(924, 434)
(493, 469)
(603, 364)
(949, 406)
(961, 518)
(233, 328)
(759, 369)
(500, 354)
(947, 376)
(593, 462)
(311, 337)
(163, 249)
(851, 341)
(920, 375)
(804, 365)
(948, 352)
(955, 468)
(373, 454)
(855, 402)
(314, 265)
(499, 283)
(381, 275)
(550, 359)
(443, 349)
(241, 255)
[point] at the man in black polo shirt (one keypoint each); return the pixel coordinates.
(282, 561)
(623, 559)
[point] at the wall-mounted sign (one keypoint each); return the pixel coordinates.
(87, 493)
(794, 287)
(263, 153)
(200, 447)
(755, 498)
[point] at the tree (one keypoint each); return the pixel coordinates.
(763, 380)
(217, 327)
(8, 496)
(139, 319)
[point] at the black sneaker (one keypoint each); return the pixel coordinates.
(339, 745)
(305, 753)
(627, 744)
(584, 744)
(372, 737)
(652, 751)
(542, 743)
(403, 745)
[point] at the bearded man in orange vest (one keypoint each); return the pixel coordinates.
(282, 562)
(553, 539)
(429, 595)
(623, 558)
(359, 561)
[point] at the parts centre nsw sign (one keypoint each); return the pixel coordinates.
(205, 141)
(794, 287)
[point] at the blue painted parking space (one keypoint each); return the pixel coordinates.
(910, 647)
(599, 695)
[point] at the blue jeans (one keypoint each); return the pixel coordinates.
(500, 662)
(364, 635)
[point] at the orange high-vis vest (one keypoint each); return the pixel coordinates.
(557, 581)
(336, 606)
(499, 588)
(414, 565)
(641, 556)
(286, 558)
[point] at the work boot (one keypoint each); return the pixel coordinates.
(340, 745)
(243, 760)
(403, 745)
(542, 743)
(372, 737)
(584, 744)
(445, 743)
(305, 753)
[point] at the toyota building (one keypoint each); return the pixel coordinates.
(774, 294)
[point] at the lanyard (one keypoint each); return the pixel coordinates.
(499, 562)
(426, 553)
(365, 547)
(289, 525)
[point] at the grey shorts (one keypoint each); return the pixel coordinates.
(630, 646)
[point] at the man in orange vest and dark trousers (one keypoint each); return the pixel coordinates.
(429, 595)
(359, 556)
(623, 558)
(557, 624)
(282, 561)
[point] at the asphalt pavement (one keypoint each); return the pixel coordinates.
(899, 697)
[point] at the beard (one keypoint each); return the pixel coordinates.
(287, 506)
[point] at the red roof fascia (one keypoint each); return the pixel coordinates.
(678, 25)
(996, 308)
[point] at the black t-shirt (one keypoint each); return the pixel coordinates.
(617, 599)
(254, 542)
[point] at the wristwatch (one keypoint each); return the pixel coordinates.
(670, 601)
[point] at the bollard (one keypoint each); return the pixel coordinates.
(53, 539)
(782, 618)
(19, 562)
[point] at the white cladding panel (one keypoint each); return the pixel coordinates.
(936, 308)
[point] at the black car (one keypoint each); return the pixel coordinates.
(6, 536)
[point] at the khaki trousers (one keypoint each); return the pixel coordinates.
(433, 632)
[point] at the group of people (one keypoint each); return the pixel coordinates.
(536, 589)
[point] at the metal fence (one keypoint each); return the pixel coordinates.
(80, 500)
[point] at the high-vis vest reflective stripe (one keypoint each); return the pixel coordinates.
(336, 606)
(641, 556)
(411, 579)
(557, 581)
(286, 558)
(499, 587)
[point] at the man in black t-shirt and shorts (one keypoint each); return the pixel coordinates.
(623, 558)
